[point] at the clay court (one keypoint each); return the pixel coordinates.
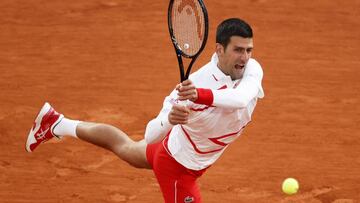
(112, 61)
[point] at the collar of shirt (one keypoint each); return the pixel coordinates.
(218, 74)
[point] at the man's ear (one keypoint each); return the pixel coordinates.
(219, 49)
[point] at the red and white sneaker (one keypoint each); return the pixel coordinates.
(44, 124)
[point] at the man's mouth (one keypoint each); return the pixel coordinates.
(239, 66)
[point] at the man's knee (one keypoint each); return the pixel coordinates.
(134, 153)
(188, 191)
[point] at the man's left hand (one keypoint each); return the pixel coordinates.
(187, 91)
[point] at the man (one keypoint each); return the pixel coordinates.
(184, 139)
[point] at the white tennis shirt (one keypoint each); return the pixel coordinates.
(210, 129)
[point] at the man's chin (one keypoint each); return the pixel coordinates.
(238, 75)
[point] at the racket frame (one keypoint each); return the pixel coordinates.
(179, 53)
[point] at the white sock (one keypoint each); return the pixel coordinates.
(66, 127)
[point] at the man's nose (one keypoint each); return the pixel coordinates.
(244, 56)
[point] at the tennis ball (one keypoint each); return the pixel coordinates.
(290, 186)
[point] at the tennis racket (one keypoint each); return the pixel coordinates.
(188, 27)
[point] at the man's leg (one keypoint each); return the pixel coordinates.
(177, 184)
(50, 123)
(113, 139)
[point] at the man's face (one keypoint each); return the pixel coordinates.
(233, 59)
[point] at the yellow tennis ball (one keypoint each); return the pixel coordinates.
(290, 186)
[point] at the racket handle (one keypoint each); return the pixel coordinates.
(183, 102)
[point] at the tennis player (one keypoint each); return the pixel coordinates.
(183, 141)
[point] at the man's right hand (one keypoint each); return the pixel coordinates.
(179, 114)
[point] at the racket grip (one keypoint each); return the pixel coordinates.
(183, 102)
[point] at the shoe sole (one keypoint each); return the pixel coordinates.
(31, 137)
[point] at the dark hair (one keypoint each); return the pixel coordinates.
(232, 27)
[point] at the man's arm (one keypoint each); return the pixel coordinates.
(248, 89)
(171, 114)
(239, 97)
(157, 128)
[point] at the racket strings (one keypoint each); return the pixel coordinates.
(188, 25)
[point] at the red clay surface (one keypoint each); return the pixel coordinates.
(112, 61)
